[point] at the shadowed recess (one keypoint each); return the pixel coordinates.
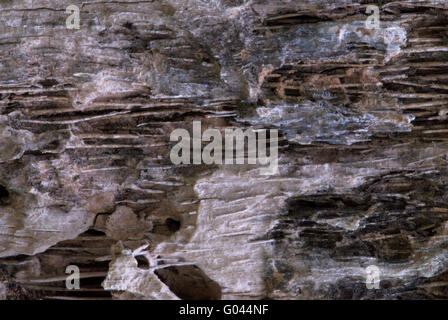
(189, 283)
(4, 194)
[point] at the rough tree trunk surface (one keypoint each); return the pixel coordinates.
(86, 178)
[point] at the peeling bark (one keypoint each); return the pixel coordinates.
(86, 178)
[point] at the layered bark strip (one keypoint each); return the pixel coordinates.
(90, 92)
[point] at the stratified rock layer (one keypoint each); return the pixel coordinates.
(86, 178)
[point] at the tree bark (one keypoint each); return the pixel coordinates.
(86, 177)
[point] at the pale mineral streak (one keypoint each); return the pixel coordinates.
(86, 177)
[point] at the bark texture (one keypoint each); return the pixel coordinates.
(86, 178)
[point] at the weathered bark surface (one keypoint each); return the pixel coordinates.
(86, 178)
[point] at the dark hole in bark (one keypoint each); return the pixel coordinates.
(189, 283)
(172, 225)
(93, 233)
(142, 262)
(128, 25)
(48, 82)
(4, 194)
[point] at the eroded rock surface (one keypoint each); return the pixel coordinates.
(86, 178)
